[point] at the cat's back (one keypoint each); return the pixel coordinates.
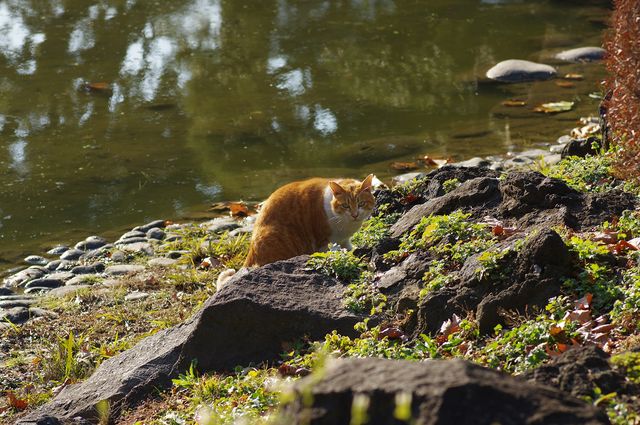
(296, 199)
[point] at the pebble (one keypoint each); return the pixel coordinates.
(37, 290)
(241, 230)
(136, 295)
(127, 241)
(17, 302)
(44, 282)
(564, 139)
(71, 254)
(161, 262)
(175, 226)
(156, 233)
(53, 265)
(64, 290)
(172, 237)
(582, 54)
(176, 254)
(139, 247)
(36, 260)
(66, 265)
(516, 71)
(91, 243)
(22, 277)
(41, 312)
(474, 162)
(63, 276)
(132, 234)
(15, 315)
(123, 269)
(5, 291)
(118, 256)
(83, 280)
(57, 250)
(220, 225)
(90, 269)
(146, 227)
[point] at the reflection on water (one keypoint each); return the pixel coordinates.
(219, 99)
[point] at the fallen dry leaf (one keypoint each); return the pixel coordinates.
(404, 166)
(392, 333)
(514, 103)
(565, 84)
(608, 237)
(554, 107)
(15, 402)
(623, 246)
(100, 87)
(576, 77)
(450, 326)
(584, 302)
(238, 209)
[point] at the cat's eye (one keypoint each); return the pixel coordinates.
(345, 206)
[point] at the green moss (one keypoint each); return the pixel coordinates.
(374, 230)
(341, 264)
(588, 174)
(629, 363)
(449, 185)
(363, 297)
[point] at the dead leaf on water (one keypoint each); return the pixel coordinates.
(554, 107)
(99, 87)
(235, 209)
(565, 84)
(404, 166)
(514, 103)
(572, 76)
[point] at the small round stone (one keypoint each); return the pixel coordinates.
(91, 243)
(156, 233)
(517, 71)
(71, 254)
(582, 54)
(36, 260)
(57, 250)
(44, 282)
(136, 295)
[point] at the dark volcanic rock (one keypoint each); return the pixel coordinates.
(442, 392)
(580, 147)
(478, 194)
(245, 323)
(531, 277)
(578, 371)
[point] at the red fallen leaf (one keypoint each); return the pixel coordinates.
(15, 402)
(409, 198)
(623, 246)
(497, 230)
(404, 166)
(551, 352)
(287, 370)
(584, 302)
(391, 333)
(450, 326)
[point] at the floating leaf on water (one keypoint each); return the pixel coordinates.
(596, 95)
(576, 77)
(565, 84)
(404, 166)
(514, 103)
(554, 107)
(430, 161)
(235, 209)
(100, 87)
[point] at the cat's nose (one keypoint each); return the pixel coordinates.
(354, 214)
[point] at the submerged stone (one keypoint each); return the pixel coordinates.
(582, 54)
(517, 71)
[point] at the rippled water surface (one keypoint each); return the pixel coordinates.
(114, 112)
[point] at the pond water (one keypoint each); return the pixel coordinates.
(114, 112)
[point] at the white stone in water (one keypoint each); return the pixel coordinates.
(516, 71)
(582, 54)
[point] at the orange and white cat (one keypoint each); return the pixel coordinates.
(305, 217)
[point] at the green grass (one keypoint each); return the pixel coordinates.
(341, 264)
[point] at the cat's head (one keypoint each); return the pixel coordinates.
(353, 199)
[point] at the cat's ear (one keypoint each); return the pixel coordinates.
(366, 183)
(336, 189)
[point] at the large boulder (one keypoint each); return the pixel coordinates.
(517, 71)
(579, 370)
(522, 279)
(436, 391)
(247, 322)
